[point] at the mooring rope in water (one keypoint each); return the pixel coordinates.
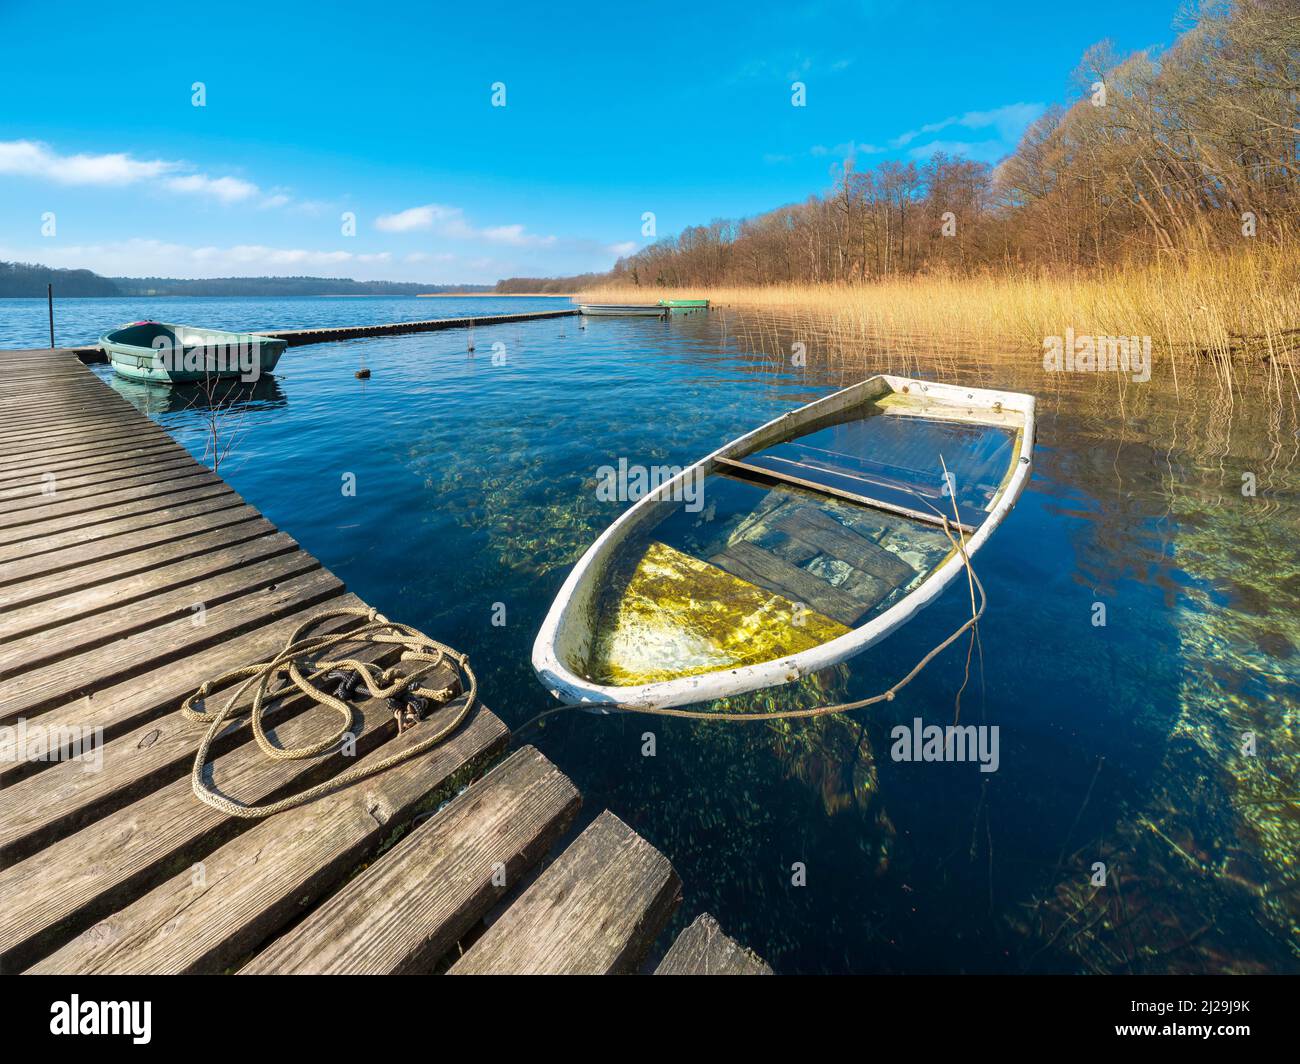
(401, 687)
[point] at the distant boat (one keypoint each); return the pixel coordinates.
(789, 549)
(651, 310)
(685, 304)
(159, 353)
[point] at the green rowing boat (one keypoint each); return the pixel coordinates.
(180, 354)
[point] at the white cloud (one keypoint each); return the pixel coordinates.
(27, 158)
(450, 222)
(625, 248)
(415, 218)
(225, 189)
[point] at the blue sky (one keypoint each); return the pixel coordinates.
(385, 111)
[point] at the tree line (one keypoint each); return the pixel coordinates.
(1197, 147)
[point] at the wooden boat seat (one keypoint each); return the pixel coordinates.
(767, 468)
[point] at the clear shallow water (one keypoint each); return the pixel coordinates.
(26, 322)
(476, 485)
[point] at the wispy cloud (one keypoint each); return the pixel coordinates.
(451, 222)
(1007, 123)
(28, 158)
(1010, 122)
(141, 257)
(33, 159)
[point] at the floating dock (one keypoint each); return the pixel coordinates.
(129, 574)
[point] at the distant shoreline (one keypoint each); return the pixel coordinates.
(495, 295)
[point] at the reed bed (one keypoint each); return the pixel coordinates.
(1224, 309)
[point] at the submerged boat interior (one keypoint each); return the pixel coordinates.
(796, 542)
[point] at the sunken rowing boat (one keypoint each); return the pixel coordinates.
(790, 549)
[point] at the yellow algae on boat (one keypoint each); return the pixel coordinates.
(679, 616)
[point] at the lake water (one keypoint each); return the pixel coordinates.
(26, 322)
(1126, 744)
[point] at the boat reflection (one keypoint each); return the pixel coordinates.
(264, 393)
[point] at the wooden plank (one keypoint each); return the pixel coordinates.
(839, 541)
(47, 631)
(117, 459)
(409, 908)
(113, 439)
(162, 630)
(54, 569)
(41, 808)
(124, 519)
(64, 597)
(595, 911)
(244, 629)
(42, 483)
(752, 563)
(254, 884)
(30, 497)
(69, 884)
(704, 949)
(195, 477)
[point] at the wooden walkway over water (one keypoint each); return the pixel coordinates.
(111, 537)
(331, 333)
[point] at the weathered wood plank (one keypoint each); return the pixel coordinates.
(254, 884)
(704, 949)
(148, 600)
(111, 440)
(163, 630)
(410, 907)
(828, 535)
(62, 889)
(55, 570)
(765, 569)
(128, 458)
(38, 809)
(50, 487)
(244, 630)
(596, 910)
(196, 476)
(120, 521)
(48, 603)
(42, 485)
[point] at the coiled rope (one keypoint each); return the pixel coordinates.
(400, 683)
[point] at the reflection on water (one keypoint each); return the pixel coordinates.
(1160, 743)
(234, 395)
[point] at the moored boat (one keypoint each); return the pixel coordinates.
(790, 549)
(654, 310)
(160, 353)
(685, 304)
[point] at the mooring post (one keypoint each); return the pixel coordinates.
(49, 295)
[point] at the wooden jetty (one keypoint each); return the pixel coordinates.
(111, 539)
(299, 337)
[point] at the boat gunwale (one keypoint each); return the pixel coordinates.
(573, 689)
